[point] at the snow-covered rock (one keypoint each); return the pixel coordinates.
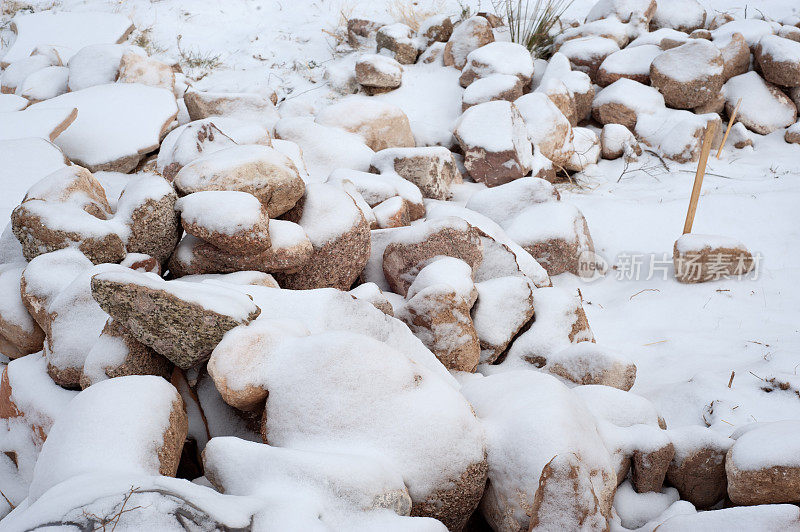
(688, 75)
(467, 36)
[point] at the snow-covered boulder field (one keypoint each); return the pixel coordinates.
(398, 265)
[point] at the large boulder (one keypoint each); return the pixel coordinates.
(624, 101)
(689, 75)
(398, 40)
(779, 60)
(764, 108)
(498, 58)
(381, 124)
(432, 169)
(467, 36)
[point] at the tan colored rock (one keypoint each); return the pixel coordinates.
(359, 30)
(792, 135)
(382, 125)
(437, 28)
(616, 141)
(370, 292)
(701, 33)
(192, 141)
(648, 469)
(432, 169)
(492, 88)
(245, 106)
(450, 237)
(232, 221)
(624, 101)
(392, 212)
(378, 73)
(264, 172)
(454, 505)
(719, 19)
(467, 36)
(498, 154)
(714, 105)
(503, 307)
(17, 326)
(168, 317)
(764, 108)
(701, 258)
(779, 60)
(587, 363)
(689, 75)
(340, 237)
(587, 53)
(497, 57)
(548, 129)
(135, 68)
(638, 12)
(758, 475)
(398, 39)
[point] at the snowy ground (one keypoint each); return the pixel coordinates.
(685, 339)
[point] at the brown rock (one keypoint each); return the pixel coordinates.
(440, 317)
(491, 88)
(586, 54)
(432, 169)
(699, 476)
(486, 61)
(262, 171)
(147, 208)
(696, 260)
(246, 106)
(714, 105)
(467, 36)
(399, 40)
(392, 212)
(337, 260)
(779, 60)
(182, 330)
(17, 327)
(359, 30)
(382, 125)
(169, 453)
(650, 468)
(735, 57)
(437, 28)
(668, 74)
(497, 155)
(454, 506)
(378, 73)
(451, 238)
(792, 135)
(198, 138)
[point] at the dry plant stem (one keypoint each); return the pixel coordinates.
(730, 125)
(711, 129)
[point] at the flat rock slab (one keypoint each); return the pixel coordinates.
(66, 32)
(25, 161)
(43, 123)
(117, 123)
(182, 321)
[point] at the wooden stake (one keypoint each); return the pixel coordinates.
(711, 129)
(730, 125)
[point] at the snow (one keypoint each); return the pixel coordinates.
(690, 439)
(95, 64)
(588, 48)
(245, 106)
(25, 161)
(618, 407)
(451, 272)
(634, 95)
(759, 105)
(780, 49)
(637, 509)
(631, 60)
(780, 437)
(501, 304)
(489, 88)
(673, 132)
(111, 122)
(12, 102)
(67, 32)
(680, 14)
(585, 360)
(18, 71)
(36, 122)
(328, 213)
(376, 188)
(12, 311)
(463, 40)
(500, 58)
(113, 426)
(325, 148)
(545, 221)
(694, 60)
(221, 211)
(213, 298)
(655, 37)
(693, 242)
(506, 202)
(46, 83)
(752, 30)
(492, 126)
(760, 517)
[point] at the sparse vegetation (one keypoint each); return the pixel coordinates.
(144, 39)
(200, 64)
(530, 23)
(411, 14)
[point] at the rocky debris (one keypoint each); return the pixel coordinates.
(398, 40)
(381, 125)
(587, 53)
(740, 137)
(617, 141)
(468, 35)
(683, 15)
(451, 237)
(360, 30)
(632, 63)
(779, 60)
(339, 235)
(698, 467)
(135, 68)
(677, 134)
(494, 141)
(624, 101)
(232, 221)
(498, 58)
(756, 477)
(262, 171)
(547, 127)
(240, 105)
(701, 258)
(378, 73)
(181, 321)
(116, 353)
(433, 170)
(494, 87)
(94, 139)
(792, 134)
(587, 363)
(689, 75)
(564, 479)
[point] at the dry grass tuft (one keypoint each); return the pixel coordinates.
(411, 14)
(531, 22)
